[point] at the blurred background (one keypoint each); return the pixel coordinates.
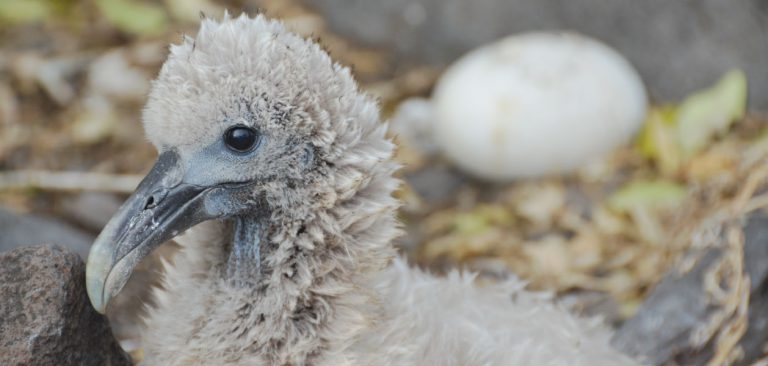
(660, 231)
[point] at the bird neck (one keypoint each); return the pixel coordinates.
(333, 256)
(307, 292)
(311, 298)
(243, 266)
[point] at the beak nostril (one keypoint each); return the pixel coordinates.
(150, 202)
(155, 198)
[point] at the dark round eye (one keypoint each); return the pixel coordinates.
(240, 138)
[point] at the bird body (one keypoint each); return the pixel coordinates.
(280, 169)
(397, 316)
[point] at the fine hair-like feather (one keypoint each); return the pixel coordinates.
(331, 291)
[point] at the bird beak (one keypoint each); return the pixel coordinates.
(160, 208)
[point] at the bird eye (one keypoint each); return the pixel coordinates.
(241, 138)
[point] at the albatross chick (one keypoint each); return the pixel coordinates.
(281, 168)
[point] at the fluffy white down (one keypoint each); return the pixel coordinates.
(429, 320)
(413, 318)
(332, 292)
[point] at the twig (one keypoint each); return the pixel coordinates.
(68, 181)
(753, 182)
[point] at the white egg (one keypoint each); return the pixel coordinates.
(536, 104)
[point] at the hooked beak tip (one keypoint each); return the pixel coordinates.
(96, 273)
(152, 215)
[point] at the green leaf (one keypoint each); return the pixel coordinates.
(658, 139)
(134, 17)
(27, 11)
(481, 218)
(711, 112)
(471, 224)
(189, 10)
(654, 195)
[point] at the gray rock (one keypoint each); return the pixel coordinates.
(436, 183)
(24, 230)
(662, 327)
(756, 266)
(678, 46)
(45, 315)
(661, 330)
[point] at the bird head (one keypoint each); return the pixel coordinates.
(250, 122)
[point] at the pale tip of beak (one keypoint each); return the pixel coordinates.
(96, 272)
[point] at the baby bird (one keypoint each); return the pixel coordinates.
(279, 167)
